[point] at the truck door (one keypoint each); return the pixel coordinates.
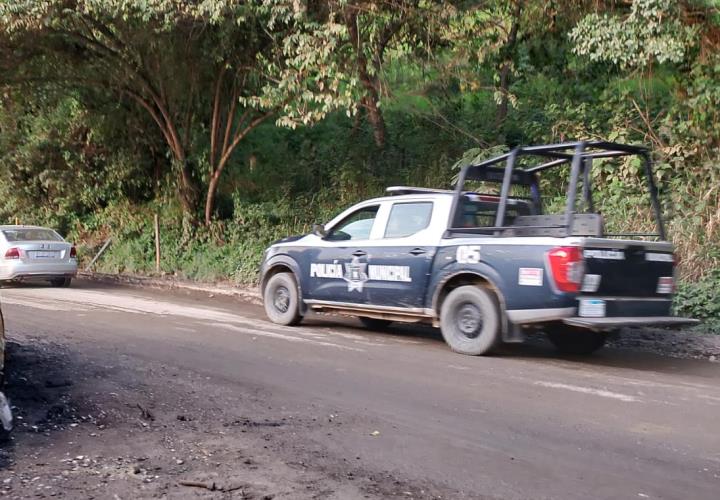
(399, 262)
(338, 268)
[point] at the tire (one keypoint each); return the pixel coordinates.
(470, 320)
(374, 323)
(282, 300)
(569, 340)
(61, 282)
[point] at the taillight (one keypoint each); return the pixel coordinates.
(73, 252)
(12, 253)
(566, 267)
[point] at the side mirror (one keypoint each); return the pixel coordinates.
(319, 230)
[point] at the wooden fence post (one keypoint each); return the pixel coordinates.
(157, 243)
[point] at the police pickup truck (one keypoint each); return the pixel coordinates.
(485, 262)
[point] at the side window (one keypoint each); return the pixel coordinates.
(356, 226)
(407, 219)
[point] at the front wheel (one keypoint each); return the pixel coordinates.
(570, 340)
(470, 320)
(281, 300)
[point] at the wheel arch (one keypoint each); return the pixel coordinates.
(461, 278)
(282, 264)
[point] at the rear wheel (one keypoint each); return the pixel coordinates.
(282, 300)
(470, 320)
(570, 340)
(374, 323)
(61, 282)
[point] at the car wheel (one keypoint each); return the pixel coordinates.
(281, 300)
(374, 323)
(470, 320)
(570, 340)
(61, 282)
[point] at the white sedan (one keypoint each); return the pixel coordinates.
(37, 253)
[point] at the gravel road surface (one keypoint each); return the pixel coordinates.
(121, 393)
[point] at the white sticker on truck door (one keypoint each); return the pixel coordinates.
(530, 276)
(468, 254)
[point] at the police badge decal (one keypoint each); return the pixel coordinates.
(355, 275)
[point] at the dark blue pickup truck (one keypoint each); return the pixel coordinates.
(484, 261)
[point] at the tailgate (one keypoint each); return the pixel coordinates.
(627, 268)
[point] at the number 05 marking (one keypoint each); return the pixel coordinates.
(468, 254)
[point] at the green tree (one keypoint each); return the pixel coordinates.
(60, 162)
(207, 72)
(652, 30)
(365, 37)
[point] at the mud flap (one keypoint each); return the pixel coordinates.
(513, 334)
(5, 415)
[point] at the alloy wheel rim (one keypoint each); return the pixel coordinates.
(281, 299)
(469, 320)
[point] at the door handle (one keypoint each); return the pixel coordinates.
(417, 251)
(359, 253)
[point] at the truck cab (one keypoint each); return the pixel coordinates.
(484, 261)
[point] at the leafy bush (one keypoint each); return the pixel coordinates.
(228, 249)
(701, 299)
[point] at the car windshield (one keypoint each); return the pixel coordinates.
(31, 234)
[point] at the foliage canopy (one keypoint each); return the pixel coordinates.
(241, 114)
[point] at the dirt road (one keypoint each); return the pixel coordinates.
(126, 394)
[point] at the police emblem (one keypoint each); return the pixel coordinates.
(355, 275)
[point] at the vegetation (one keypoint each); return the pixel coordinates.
(242, 122)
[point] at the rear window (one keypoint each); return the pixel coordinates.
(31, 234)
(476, 213)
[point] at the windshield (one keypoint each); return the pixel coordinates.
(31, 234)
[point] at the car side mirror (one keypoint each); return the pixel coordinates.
(319, 230)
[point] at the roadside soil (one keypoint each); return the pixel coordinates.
(93, 424)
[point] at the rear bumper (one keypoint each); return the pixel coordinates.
(45, 270)
(617, 322)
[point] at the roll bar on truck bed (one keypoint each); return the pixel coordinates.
(579, 155)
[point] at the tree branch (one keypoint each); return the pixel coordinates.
(231, 119)
(214, 126)
(238, 137)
